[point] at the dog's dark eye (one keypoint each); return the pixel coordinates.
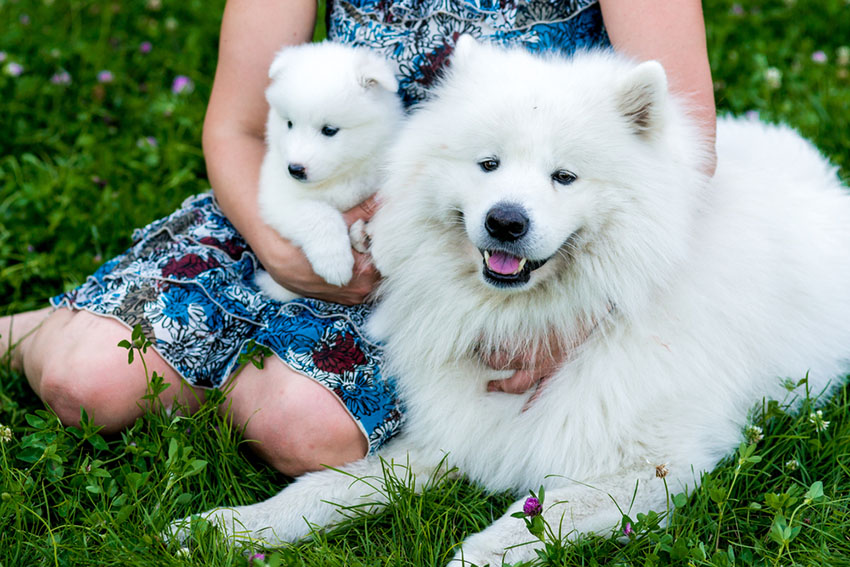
(489, 164)
(563, 177)
(329, 131)
(289, 124)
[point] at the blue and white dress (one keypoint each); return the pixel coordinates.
(188, 278)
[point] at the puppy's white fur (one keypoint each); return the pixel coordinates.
(705, 294)
(326, 86)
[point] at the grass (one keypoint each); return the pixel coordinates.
(82, 163)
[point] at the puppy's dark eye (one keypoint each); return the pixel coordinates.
(489, 164)
(289, 124)
(563, 177)
(329, 131)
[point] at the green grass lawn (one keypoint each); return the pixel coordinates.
(96, 138)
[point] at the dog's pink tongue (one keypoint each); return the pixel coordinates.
(503, 263)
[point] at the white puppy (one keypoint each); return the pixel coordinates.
(333, 110)
(536, 198)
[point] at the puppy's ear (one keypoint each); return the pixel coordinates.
(641, 97)
(279, 64)
(373, 71)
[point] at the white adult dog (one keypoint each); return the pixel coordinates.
(535, 198)
(333, 111)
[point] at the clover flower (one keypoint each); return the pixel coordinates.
(842, 55)
(627, 529)
(792, 465)
(819, 57)
(105, 77)
(145, 47)
(182, 84)
(61, 78)
(773, 77)
(816, 418)
(5, 434)
(256, 557)
(752, 115)
(147, 142)
(13, 69)
(3, 56)
(532, 507)
(754, 434)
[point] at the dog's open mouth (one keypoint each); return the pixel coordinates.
(504, 269)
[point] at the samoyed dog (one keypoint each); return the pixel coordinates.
(333, 110)
(539, 199)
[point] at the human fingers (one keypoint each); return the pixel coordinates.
(361, 211)
(519, 382)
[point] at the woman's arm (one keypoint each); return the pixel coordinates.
(673, 33)
(252, 31)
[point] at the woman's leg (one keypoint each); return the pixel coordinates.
(298, 425)
(72, 360)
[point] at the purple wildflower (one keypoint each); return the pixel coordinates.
(737, 10)
(819, 57)
(3, 56)
(13, 69)
(147, 142)
(105, 77)
(532, 507)
(24, 19)
(627, 529)
(256, 557)
(182, 84)
(61, 78)
(145, 47)
(752, 115)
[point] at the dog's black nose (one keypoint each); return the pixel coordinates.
(298, 171)
(506, 222)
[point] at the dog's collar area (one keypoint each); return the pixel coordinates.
(506, 270)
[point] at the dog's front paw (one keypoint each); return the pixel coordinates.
(228, 521)
(333, 266)
(491, 548)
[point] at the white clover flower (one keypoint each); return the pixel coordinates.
(753, 433)
(842, 55)
(5, 433)
(792, 465)
(773, 77)
(816, 419)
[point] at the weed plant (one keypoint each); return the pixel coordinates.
(101, 106)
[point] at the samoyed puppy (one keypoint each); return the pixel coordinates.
(333, 110)
(535, 199)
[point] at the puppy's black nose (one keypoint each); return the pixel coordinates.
(507, 222)
(298, 171)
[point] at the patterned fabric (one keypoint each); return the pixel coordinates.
(419, 35)
(188, 280)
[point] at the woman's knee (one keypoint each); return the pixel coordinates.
(75, 363)
(297, 425)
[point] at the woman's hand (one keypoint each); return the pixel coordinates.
(531, 366)
(291, 269)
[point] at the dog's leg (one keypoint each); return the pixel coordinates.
(315, 500)
(320, 231)
(596, 507)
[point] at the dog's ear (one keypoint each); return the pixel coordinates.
(374, 71)
(641, 97)
(281, 60)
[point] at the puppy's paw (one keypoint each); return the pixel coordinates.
(334, 266)
(359, 236)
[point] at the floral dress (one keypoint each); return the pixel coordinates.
(188, 279)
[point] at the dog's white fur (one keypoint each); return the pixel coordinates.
(704, 294)
(315, 86)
